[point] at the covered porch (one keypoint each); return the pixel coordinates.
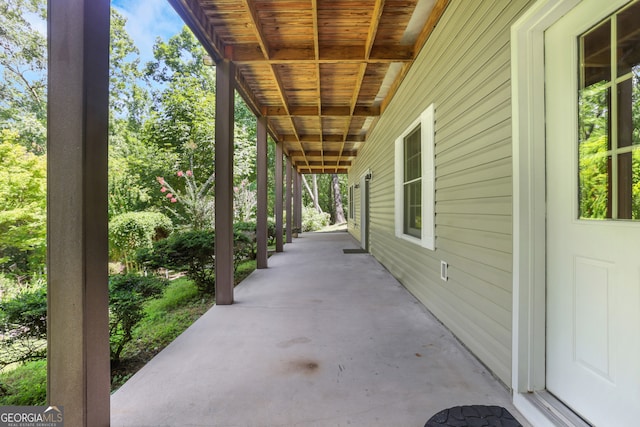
(319, 338)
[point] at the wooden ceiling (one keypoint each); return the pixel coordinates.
(321, 71)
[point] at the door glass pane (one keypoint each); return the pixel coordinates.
(629, 185)
(594, 130)
(609, 118)
(595, 180)
(596, 58)
(628, 113)
(628, 39)
(594, 152)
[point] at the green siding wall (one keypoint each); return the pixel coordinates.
(464, 69)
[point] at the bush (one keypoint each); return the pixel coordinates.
(132, 231)
(194, 253)
(25, 385)
(313, 220)
(127, 293)
(23, 325)
(244, 235)
(188, 251)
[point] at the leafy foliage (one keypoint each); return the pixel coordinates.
(132, 231)
(193, 206)
(23, 325)
(127, 293)
(22, 206)
(313, 220)
(190, 251)
(23, 61)
(26, 385)
(597, 185)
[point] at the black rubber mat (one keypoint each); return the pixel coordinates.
(354, 251)
(473, 416)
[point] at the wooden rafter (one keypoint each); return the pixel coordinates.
(315, 68)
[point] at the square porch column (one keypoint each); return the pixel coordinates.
(288, 200)
(225, 77)
(278, 204)
(261, 176)
(78, 370)
(297, 201)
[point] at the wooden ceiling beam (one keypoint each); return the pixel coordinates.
(316, 52)
(310, 153)
(318, 138)
(250, 53)
(310, 110)
(257, 28)
(309, 170)
(330, 163)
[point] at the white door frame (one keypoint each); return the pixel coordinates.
(364, 210)
(529, 207)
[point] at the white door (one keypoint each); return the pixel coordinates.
(592, 58)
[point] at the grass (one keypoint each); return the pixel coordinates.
(165, 318)
(25, 385)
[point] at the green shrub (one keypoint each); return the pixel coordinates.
(167, 317)
(188, 251)
(244, 234)
(127, 293)
(313, 220)
(194, 253)
(179, 292)
(132, 231)
(23, 325)
(25, 385)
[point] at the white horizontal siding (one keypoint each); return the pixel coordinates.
(464, 69)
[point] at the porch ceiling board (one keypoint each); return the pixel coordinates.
(320, 71)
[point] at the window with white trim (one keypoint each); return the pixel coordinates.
(415, 181)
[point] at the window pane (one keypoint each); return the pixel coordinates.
(413, 209)
(628, 39)
(596, 57)
(412, 156)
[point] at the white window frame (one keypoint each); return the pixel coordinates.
(426, 122)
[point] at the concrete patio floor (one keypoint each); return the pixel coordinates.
(320, 338)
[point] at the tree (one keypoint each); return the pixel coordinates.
(23, 60)
(22, 206)
(190, 202)
(313, 194)
(183, 116)
(337, 200)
